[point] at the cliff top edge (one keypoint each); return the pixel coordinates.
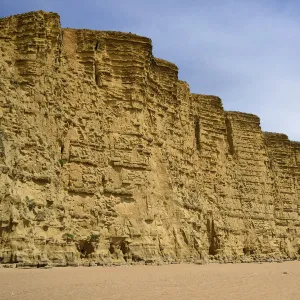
(161, 63)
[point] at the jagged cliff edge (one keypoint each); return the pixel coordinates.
(106, 157)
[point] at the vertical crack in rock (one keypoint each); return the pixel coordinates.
(197, 133)
(2, 150)
(229, 136)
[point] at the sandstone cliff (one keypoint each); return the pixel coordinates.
(105, 156)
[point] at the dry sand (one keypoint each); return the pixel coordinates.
(185, 281)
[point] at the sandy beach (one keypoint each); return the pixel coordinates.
(185, 281)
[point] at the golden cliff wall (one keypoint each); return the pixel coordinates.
(105, 156)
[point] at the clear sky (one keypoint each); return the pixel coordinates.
(244, 51)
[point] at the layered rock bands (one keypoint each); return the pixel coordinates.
(105, 156)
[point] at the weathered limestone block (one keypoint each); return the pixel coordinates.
(106, 157)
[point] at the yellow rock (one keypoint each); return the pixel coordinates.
(105, 156)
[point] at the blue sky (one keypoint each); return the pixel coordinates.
(244, 51)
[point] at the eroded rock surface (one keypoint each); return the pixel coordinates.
(105, 156)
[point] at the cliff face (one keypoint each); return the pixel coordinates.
(105, 156)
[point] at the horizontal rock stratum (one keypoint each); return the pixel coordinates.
(105, 156)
